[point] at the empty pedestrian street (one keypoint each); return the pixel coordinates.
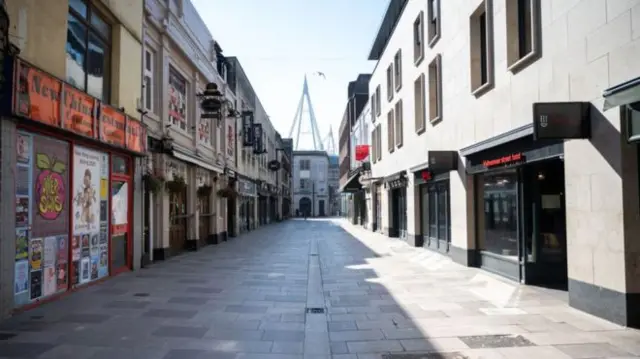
(312, 289)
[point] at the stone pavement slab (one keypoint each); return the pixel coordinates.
(312, 289)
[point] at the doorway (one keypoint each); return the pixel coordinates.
(121, 191)
(204, 223)
(321, 212)
(543, 254)
(305, 206)
(177, 220)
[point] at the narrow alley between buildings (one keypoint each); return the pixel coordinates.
(312, 289)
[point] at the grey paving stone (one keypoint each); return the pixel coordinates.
(496, 341)
(197, 354)
(110, 291)
(126, 304)
(342, 326)
(179, 332)
(170, 313)
(233, 334)
(24, 350)
(287, 347)
(203, 290)
(283, 335)
(84, 318)
(246, 309)
(285, 298)
(339, 348)
(188, 300)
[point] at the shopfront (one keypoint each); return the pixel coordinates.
(396, 185)
(231, 198)
(519, 188)
(74, 170)
(356, 211)
(247, 195)
(263, 206)
(273, 203)
(433, 190)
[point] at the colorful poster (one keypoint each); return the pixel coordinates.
(94, 266)
(50, 252)
(23, 147)
(95, 249)
(86, 246)
(50, 281)
(22, 244)
(85, 270)
(86, 186)
(103, 265)
(21, 277)
(23, 180)
(35, 253)
(75, 272)
(36, 284)
(120, 203)
(76, 251)
(22, 211)
(63, 251)
(50, 186)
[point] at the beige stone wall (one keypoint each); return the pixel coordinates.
(587, 46)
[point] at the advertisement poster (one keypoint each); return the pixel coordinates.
(103, 265)
(120, 203)
(75, 248)
(50, 251)
(35, 253)
(50, 186)
(23, 148)
(23, 180)
(22, 244)
(36, 284)
(86, 201)
(50, 282)
(85, 267)
(21, 277)
(22, 211)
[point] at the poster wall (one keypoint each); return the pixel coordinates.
(42, 217)
(87, 207)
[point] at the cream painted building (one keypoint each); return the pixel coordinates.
(194, 154)
(91, 147)
(544, 194)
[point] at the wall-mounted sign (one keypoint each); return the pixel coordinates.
(43, 98)
(504, 160)
(258, 147)
(362, 152)
(426, 175)
(442, 161)
(247, 129)
(274, 165)
(561, 120)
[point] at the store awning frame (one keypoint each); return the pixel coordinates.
(626, 93)
(196, 161)
(348, 186)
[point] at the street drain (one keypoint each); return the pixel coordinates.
(6, 336)
(141, 295)
(454, 355)
(496, 341)
(315, 310)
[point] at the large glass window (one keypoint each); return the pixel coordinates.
(436, 211)
(88, 50)
(501, 214)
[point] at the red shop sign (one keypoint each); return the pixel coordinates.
(362, 152)
(426, 175)
(503, 160)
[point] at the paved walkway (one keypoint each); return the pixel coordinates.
(250, 298)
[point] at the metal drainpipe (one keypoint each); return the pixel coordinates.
(146, 231)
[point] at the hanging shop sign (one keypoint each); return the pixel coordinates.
(43, 98)
(426, 175)
(561, 120)
(362, 152)
(504, 160)
(274, 165)
(442, 161)
(229, 172)
(258, 147)
(247, 129)
(397, 180)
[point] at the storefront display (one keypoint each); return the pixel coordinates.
(42, 217)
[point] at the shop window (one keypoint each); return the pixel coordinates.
(397, 73)
(435, 89)
(523, 27)
(120, 165)
(500, 205)
(481, 48)
(378, 101)
(88, 50)
(437, 219)
(379, 141)
(374, 111)
(178, 100)
(374, 145)
(41, 261)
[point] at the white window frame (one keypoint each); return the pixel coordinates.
(148, 73)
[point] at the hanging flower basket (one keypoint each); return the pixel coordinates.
(176, 185)
(153, 183)
(204, 190)
(226, 192)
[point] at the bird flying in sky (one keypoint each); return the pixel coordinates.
(321, 74)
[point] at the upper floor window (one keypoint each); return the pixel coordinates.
(523, 27)
(390, 87)
(418, 38)
(148, 79)
(397, 66)
(177, 99)
(88, 50)
(481, 48)
(433, 29)
(305, 165)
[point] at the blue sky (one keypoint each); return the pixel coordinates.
(278, 41)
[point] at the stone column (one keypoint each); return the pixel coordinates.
(192, 208)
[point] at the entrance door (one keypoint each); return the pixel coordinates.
(177, 220)
(402, 212)
(544, 247)
(121, 191)
(321, 209)
(204, 224)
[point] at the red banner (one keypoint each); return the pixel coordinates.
(362, 152)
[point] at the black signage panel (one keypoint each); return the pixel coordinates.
(561, 120)
(247, 129)
(442, 161)
(274, 165)
(257, 138)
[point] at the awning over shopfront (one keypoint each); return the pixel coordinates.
(625, 93)
(184, 155)
(396, 180)
(352, 184)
